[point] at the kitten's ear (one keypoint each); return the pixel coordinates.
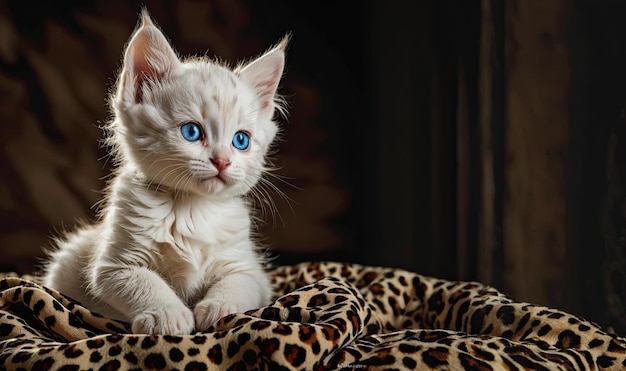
(148, 58)
(264, 74)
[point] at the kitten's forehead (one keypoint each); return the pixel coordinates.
(217, 89)
(211, 73)
(217, 98)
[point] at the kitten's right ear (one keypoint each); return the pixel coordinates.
(148, 59)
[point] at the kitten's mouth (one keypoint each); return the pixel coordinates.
(215, 179)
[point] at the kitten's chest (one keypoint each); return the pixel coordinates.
(187, 224)
(186, 236)
(189, 276)
(192, 240)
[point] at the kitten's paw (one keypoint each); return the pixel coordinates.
(208, 311)
(170, 320)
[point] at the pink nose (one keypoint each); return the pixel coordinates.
(220, 163)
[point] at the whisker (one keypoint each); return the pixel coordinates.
(282, 178)
(275, 188)
(173, 168)
(269, 187)
(265, 198)
(262, 194)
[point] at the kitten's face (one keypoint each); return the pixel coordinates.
(194, 126)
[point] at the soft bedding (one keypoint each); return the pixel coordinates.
(325, 316)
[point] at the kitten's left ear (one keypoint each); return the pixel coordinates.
(148, 58)
(264, 74)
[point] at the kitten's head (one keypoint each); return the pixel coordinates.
(194, 125)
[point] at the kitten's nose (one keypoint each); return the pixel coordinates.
(220, 163)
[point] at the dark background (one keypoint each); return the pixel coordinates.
(468, 140)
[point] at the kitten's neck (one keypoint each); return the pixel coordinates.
(166, 216)
(139, 181)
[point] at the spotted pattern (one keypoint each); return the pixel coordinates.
(324, 316)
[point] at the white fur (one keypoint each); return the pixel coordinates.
(173, 250)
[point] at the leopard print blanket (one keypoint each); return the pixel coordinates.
(324, 316)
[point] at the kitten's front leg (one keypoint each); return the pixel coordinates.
(235, 293)
(143, 295)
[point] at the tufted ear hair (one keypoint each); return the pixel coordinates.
(148, 59)
(264, 74)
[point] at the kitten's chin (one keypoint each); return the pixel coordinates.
(221, 186)
(214, 184)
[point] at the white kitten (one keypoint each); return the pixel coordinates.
(173, 249)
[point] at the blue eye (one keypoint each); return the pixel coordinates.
(241, 140)
(191, 131)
